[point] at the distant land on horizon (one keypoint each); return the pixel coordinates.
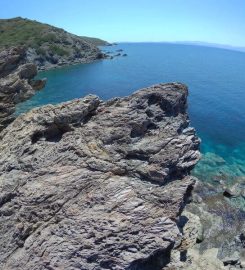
(213, 45)
(18, 30)
(194, 43)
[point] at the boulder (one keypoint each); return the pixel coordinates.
(10, 60)
(233, 191)
(88, 184)
(38, 84)
(27, 71)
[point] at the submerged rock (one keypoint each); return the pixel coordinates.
(235, 190)
(16, 82)
(38, 84)
(97, 185)
(223, 229)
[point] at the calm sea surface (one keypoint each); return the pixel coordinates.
(216, 81)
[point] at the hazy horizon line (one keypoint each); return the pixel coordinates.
(180, 41)
(240, 48)
(197, 43)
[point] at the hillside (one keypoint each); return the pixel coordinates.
(95, 41)
(46, 45)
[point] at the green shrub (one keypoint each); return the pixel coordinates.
(49, 37)
(40, 51)
(58, 50)
(19, 31)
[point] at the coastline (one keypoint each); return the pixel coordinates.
(69, 63)
(202, 208)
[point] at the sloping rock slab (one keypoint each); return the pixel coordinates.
(97, 185)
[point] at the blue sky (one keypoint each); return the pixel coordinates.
(215, 21)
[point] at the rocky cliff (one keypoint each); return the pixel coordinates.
(89, 184)
(16, 82)
(48, 46)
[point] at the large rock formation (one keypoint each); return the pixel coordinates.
(16, 82)
(97, 185)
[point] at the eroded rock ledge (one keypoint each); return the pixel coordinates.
(97, 185)
(16, 82)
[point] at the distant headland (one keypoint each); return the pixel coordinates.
(48, 46)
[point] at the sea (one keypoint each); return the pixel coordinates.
(216, 104)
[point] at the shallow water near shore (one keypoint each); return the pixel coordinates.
(216, 82)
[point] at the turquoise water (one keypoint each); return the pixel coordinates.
(216, 81)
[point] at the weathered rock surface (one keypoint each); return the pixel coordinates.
(97, 185)
(16, 82)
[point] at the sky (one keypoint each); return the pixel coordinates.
(214, 21)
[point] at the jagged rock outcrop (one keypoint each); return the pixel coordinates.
(16, 82)
(97, 185)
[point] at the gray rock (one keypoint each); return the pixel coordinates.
(88, 184)
(38, 84)
(10, 60)
(233, 191)
(223, 225)
(234, 259)
(16, 82)
(27, 71)
(62, 49)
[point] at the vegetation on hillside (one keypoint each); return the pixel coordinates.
(95, 41)
(19, 31)
(47, 44)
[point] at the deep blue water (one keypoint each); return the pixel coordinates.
(216, 81)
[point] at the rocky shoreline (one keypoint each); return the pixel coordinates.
(89, 184)
(55, 61)
(69, 63)
(16, 82)
(58, 61)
